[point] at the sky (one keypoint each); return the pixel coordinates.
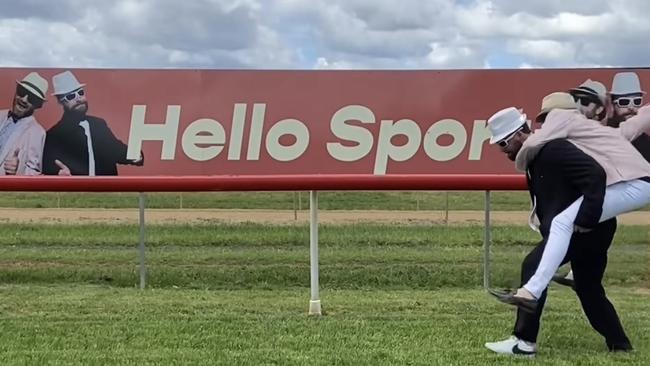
(325, 34)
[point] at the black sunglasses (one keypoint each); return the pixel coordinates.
(21, 91)
(585, 100)
(73, 95)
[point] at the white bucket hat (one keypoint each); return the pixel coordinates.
(556, 100)
(65, 83)
(504, 123)
(35, 83)
(626, 83)
(593, 88)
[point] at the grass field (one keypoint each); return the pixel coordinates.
(237, 294)
(91, 325)
(274, 200)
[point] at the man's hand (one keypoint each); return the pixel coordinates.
(580, 229)
(63, 169)
(11, 163)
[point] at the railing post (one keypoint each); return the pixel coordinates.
(143, 269)
(314, 303)
(486, 243)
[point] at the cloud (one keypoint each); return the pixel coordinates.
(358, 34)
(549, 51)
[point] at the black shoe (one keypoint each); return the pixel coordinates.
(508, 297)
(620, 347)
(564, 281)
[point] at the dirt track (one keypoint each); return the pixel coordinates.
(274, 216)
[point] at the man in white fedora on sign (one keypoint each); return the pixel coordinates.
(627, 97)
(21, 136)
(80, 144)
(591, 99)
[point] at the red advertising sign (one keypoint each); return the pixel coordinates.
(215, 122)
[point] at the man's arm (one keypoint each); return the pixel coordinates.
(637, 125)
(115, 146)
(587, 176)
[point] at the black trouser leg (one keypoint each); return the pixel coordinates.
(588, 261)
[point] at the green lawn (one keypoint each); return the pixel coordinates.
(238, 294)
(225, 256)
(274, 200)
(89, 325)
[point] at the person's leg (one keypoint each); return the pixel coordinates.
(619, 198)
(589, 259)
(526, 329)
(565, 280)
(527, 323)
(555, 250)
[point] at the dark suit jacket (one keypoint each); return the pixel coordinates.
(66, 141)
(559, 175)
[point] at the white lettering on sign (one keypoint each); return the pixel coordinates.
(397, 141)
(449, 127)
(292, 127)
(385, 147)
(167, 132)
(210, 132)
(237, 133)
(358, 134)
(192, 137)
(480, 134)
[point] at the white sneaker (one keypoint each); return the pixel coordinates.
(513, 346)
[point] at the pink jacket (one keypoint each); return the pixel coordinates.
(609, 146)
(28, 138)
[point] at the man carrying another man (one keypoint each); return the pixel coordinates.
(559, 175)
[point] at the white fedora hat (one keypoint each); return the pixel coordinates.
(557, 100)
(35, 83)
(504, 123)
(593, 88)
(626, 83)
(65, 83)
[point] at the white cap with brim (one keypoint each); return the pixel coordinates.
(504, 122)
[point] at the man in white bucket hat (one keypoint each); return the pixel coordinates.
(21, 136)
(560, 174)
(80, 144)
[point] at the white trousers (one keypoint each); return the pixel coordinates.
(620, 198)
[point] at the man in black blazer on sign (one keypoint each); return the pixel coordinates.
(80, 144)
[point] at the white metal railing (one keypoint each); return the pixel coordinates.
(314, 301)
